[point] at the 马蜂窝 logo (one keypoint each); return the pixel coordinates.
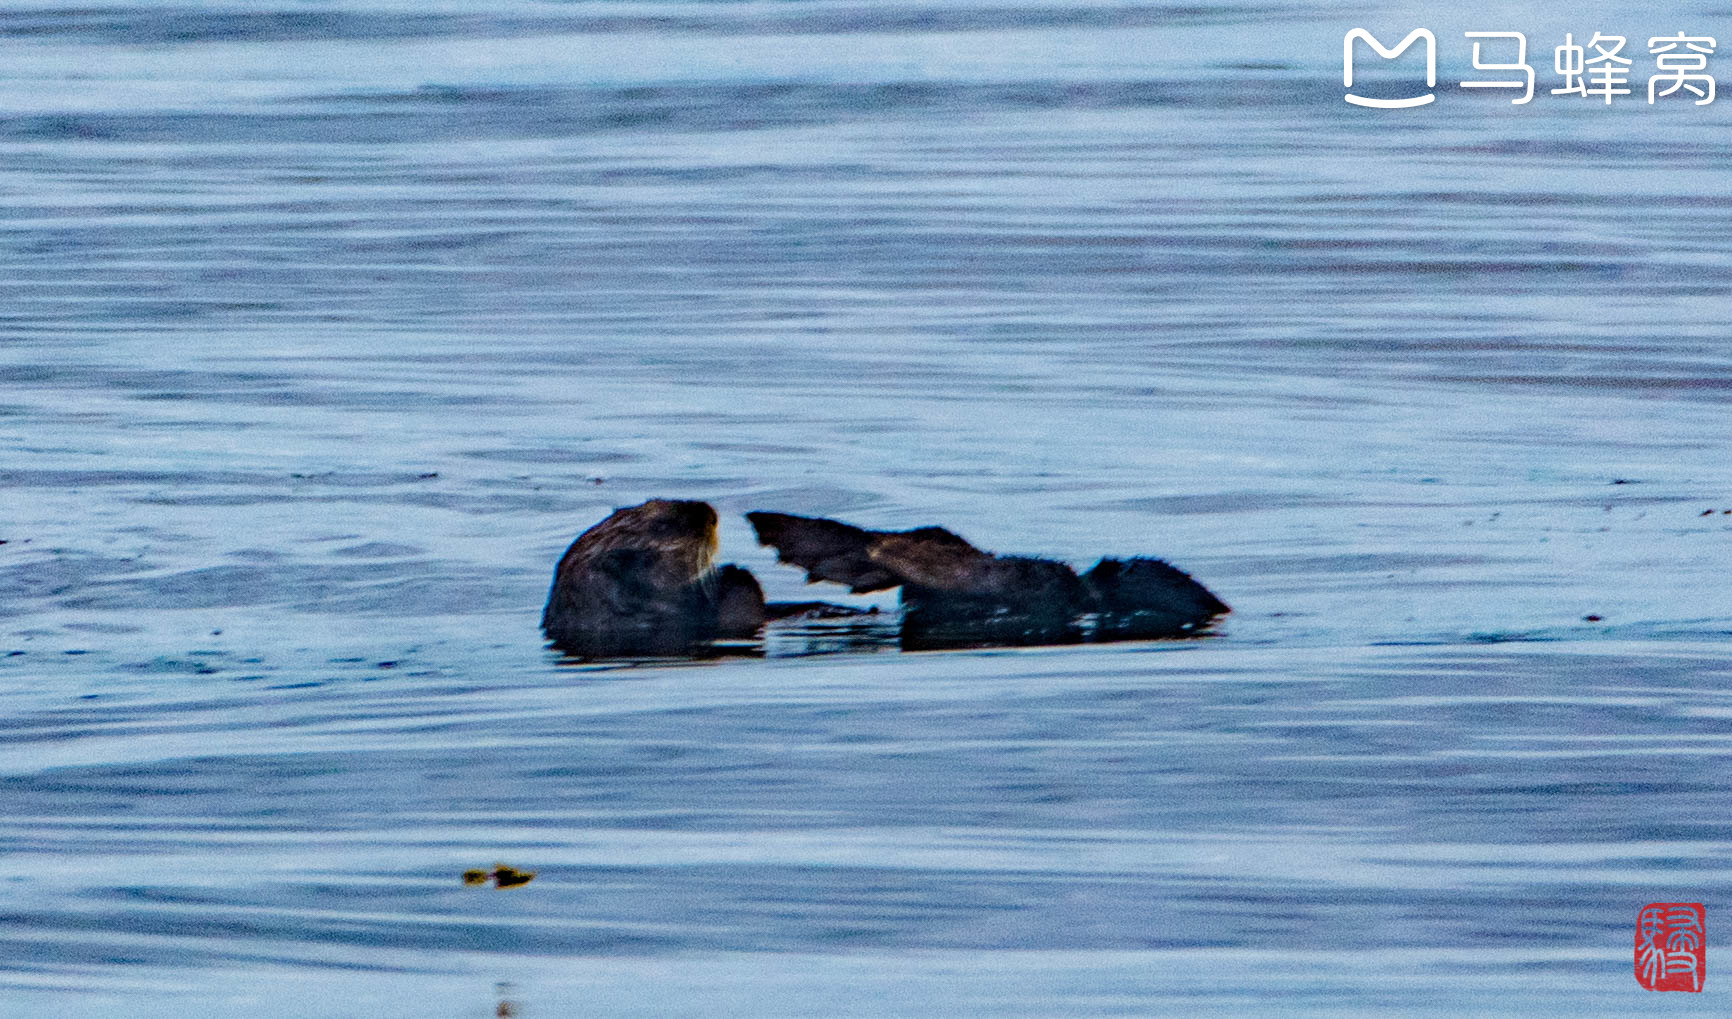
(1672, 946)
(1680, 65)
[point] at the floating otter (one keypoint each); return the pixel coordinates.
(954, 594)
(643, 581)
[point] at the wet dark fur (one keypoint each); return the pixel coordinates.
(641, 582)
(950, 589)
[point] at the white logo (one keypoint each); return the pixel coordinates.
(1681, 60)
(1390, 54)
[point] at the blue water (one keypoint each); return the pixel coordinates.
(324, 328)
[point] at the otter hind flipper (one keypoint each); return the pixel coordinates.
(825, 549)
(932, 557)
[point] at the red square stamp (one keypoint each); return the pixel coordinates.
(1672, 946)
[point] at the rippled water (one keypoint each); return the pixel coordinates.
(325, 328)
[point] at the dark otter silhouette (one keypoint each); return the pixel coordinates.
(643, 582)
(954, 594)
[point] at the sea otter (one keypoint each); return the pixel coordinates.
(643, 582)
(955, 594)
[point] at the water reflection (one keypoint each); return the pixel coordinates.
(877, 631)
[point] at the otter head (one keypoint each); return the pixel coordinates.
(679, 536)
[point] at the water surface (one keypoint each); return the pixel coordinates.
(324, 329)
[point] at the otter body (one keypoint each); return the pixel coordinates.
(643, 582)
(955, 594)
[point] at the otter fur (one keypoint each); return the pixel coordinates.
(643, 581)
(954, 592)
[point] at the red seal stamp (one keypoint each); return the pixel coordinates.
(1672, 946)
